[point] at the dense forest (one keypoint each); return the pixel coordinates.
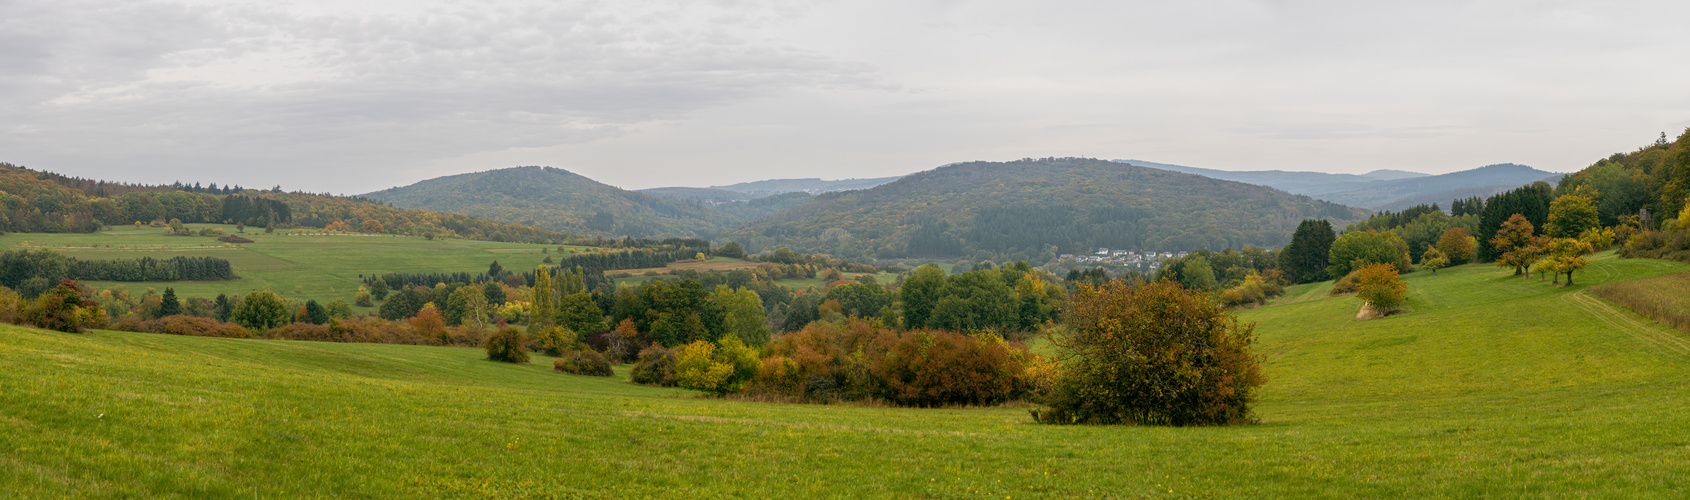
(1035, 209)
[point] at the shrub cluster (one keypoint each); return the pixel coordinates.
(1379, 286)
(507, 345)
(858, 360)
(181, 324)
(655, 366)
(1254, 291)
(234, 239)
(1152, 354)
(583, 362)
(715, 368)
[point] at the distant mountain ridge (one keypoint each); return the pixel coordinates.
(811, 185)
(556, 199)
(1380, 189)
(1027, 209)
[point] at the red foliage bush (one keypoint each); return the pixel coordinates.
(914, 368)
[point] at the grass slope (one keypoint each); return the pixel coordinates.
(303, 264)
(1492, 386)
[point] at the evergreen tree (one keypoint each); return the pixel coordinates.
(315, 313)
(171, 306)
(1305, 259)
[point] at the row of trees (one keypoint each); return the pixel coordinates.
(33, 271)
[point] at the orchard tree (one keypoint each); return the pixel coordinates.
(1378, 284)
(1457, 245)
(1515, 237)
(1433, 259)
(1567, 256)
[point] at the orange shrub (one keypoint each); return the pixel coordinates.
(182, 325)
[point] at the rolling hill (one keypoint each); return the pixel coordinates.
(1024, 208)
(556, 199)
(1381, 189)
(811, 185)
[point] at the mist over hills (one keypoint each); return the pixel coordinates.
(1381, 189)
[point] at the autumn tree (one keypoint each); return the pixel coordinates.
(1457, 245)
(370, 226)
(1567, 256)
(1513, 243)
(1433, 259)
(1152, 354)
(1380, 286)
(1570, 215)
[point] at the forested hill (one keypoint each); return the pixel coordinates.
(1031, 208)
(556, 199)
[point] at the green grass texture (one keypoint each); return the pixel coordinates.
(1491, 386)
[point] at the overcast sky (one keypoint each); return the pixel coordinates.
(353, 96)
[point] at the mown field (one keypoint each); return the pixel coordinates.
(304, 264)
(1493, 386)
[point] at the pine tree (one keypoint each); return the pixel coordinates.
(171, 306)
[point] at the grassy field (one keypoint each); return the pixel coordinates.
(1492, 386)
(1665, 298)
(306, 264)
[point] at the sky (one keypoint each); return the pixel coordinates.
(351, 97)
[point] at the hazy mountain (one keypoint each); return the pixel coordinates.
(706, 195)
(1022, 209)
(1380, 189)
(812, 185)
(1441, 189)
(556, 199)
(1294, 182)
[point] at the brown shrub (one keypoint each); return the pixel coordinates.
(656, 366)
(182, 325)
(936, 368)
(584, 362)
(858, 361)
(233, 239)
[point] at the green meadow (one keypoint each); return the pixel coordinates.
(1492, 385)
(304, 264)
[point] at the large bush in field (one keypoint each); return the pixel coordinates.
(583, 362)
(1379, 286)
(718, 368)
(65, 308)
(1152, 354)
(655, 366)
(507, 345)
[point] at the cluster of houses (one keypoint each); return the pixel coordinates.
(1131, 258)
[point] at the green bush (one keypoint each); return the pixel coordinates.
(583, 362)
(1152, 354)
(656, 366)
(507, 345)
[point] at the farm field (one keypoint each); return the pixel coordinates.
(1493, 385)
(304, 264)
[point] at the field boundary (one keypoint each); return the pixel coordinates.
(1668, 343)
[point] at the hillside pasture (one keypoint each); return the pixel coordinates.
(1492, 385)
(303, 264)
